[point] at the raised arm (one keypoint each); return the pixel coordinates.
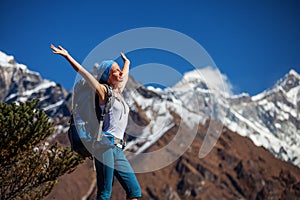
(99, 88)
(125, 71)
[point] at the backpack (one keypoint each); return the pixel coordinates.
(86, 122)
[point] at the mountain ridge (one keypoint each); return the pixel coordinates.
(265, 118)
(271, 122)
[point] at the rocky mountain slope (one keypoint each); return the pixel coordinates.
(270, 119)
(234, 169)
(18, 83)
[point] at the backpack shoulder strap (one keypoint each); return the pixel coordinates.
(110, 98)
(108, 104)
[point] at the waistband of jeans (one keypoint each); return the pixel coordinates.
(116, 140)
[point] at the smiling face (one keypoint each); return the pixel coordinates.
(116, 75)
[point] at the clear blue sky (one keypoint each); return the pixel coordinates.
(253, 42)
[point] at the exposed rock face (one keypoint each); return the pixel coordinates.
(236, 168)
(18, 83)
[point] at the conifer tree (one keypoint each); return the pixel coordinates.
(28, 167)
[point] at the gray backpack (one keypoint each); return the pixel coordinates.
(85, 130)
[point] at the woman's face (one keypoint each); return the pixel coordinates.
(116, 75)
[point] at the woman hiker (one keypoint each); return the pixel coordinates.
(114, 124)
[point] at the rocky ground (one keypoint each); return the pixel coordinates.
(234, 169)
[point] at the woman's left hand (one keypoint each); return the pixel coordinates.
(125, 59)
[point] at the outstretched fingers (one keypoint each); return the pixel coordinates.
(124, 57)
(58, 50)
(55, 50)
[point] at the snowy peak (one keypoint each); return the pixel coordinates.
(294, 73)
(208, 78)
(271, 118)
(9, 62)
(14, 75)
(290, 80)
(18, 83)
(6, 60)
(288, 86)
(194, 77)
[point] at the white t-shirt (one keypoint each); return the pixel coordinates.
(115, 121)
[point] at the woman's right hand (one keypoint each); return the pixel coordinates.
(59, 50)
(99, 88)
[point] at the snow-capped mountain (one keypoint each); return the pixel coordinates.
(271, 118)
(18, 83)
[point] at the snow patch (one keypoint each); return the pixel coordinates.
(57, 104)
(9, 61)
(294, 73)
(211, 77)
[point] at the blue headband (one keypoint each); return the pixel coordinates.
(103, 70)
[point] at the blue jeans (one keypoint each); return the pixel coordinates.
(113, 162)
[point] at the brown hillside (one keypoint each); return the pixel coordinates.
(234, 169)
